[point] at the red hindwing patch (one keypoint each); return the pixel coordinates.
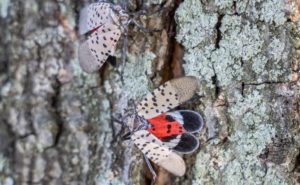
(163, 127)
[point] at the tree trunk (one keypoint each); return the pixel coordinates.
(56, 120)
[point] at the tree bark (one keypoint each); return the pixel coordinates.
(57, 121)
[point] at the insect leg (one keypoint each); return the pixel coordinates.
(126, 136)
(102, 1)
(117, 120)
(143, 28)
(124, 52)
(151, 170)
(113, 130)
(121, 122)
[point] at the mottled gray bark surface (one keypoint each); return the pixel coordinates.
(56, 121)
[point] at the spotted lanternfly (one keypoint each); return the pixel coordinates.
(158, 133)
(103, 24)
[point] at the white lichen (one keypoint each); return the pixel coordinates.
(272, 11)
(4, 5)
(197, 26)
(138, 69)
(238, 163)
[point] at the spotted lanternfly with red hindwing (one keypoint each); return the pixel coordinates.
(158, 133)
(103, 24)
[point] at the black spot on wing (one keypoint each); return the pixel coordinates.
(169, 118)
(192, 121)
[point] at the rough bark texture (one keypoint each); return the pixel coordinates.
(56, 121)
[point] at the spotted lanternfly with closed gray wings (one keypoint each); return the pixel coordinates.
(103, 24)
(158, 133)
